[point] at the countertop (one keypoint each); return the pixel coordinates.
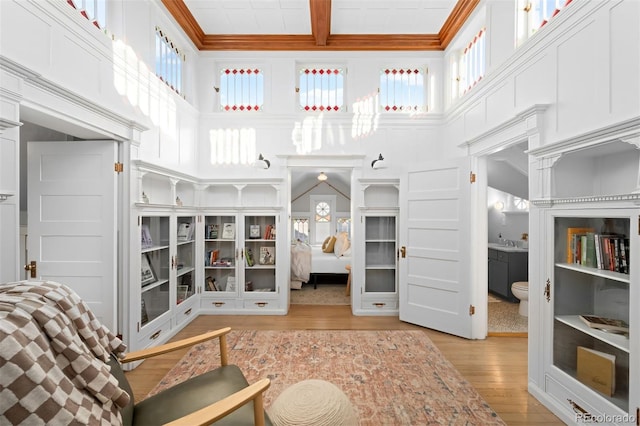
(501, 247)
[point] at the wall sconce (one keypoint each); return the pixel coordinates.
(377, 163)
(262, 162)
(322, 177)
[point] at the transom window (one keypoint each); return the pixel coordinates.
(402, 90)
(94, 10)
(535, 14)
(468, 68)
(321, 89)
(241, 89)
(168, 61)
(323, 212)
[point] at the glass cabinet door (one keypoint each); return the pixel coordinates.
(155, 264)
(591, 281)
(220, 254)
(380, 254)
(259, 253)
(185, 257)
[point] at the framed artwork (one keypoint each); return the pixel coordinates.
(231, 284)
(229, 231)
(254, 231)
(147, 275)
(183, 292)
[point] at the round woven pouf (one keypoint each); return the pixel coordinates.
(312, 402)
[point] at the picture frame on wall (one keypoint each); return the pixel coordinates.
(147, 275)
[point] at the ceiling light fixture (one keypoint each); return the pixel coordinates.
(263, 162)
(377, 163)
(322, 177)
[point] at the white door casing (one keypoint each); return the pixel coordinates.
(72, 226)
(436, 289)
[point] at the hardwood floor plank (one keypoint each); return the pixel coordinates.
(496, 366)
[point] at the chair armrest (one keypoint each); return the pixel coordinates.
(218, 410)
(180, 344)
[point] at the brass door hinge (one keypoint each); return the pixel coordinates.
(472, 177)
(472, 310)
(118, 167)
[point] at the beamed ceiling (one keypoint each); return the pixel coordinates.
(317, 25)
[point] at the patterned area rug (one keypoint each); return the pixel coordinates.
(503, 317)
(392, 377)
(325, 294)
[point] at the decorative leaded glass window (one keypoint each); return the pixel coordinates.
(321, 89)
(241, 89)
(403, 90)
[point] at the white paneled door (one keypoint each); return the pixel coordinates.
(72, 228)
(435, 288)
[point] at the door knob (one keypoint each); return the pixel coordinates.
(31, 267)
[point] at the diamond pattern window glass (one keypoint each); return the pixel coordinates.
(472, 66)
(301, 229)
(241, 89)
(168, 61)
(403, 90)
(321, 89)
(94, 10)
(534, 14)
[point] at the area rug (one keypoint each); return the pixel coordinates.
(324, 294)
(392, 377)
(503, 317)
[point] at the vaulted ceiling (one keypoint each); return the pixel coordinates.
(317, 25)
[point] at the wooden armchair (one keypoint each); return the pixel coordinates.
(222, 395)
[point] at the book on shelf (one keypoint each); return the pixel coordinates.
(267, 256)
(254, 231)
(597, 370)
(572, 238)
(607, 324)
(248, 256)
(229, 231)
(145, 234)
(185, 232)
(212, 231)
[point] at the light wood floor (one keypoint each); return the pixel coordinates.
(496, 367)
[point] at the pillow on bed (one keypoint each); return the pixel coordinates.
(342, 244)
(328, 245)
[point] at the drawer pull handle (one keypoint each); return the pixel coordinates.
(188, 311)
(379, 304)
(261, 304)
(584, 414)
(155, 335)
(217, 304)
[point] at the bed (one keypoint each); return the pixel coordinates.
(310, 262)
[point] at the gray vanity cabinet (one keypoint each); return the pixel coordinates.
(505, 268)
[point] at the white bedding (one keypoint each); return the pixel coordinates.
(328, 263)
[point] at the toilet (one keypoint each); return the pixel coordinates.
(520, 289)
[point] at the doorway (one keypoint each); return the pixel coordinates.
(320, 208)
(507, 229)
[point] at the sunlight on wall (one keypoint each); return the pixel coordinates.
(233, 146)
(143, 89)
(365, 116)
(307, 136)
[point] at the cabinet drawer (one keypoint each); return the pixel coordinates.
(581, 411)
(502, 256)
(153, 334)
(186, 311)
(209, 304)
(262, 304)
(493, 254)
(379, 304)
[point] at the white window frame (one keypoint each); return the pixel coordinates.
(313, 202)
(332, 98)
(397, 91)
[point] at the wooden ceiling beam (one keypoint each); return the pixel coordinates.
(320, 20)
(321, 37)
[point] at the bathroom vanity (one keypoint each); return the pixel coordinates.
(506, 266)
